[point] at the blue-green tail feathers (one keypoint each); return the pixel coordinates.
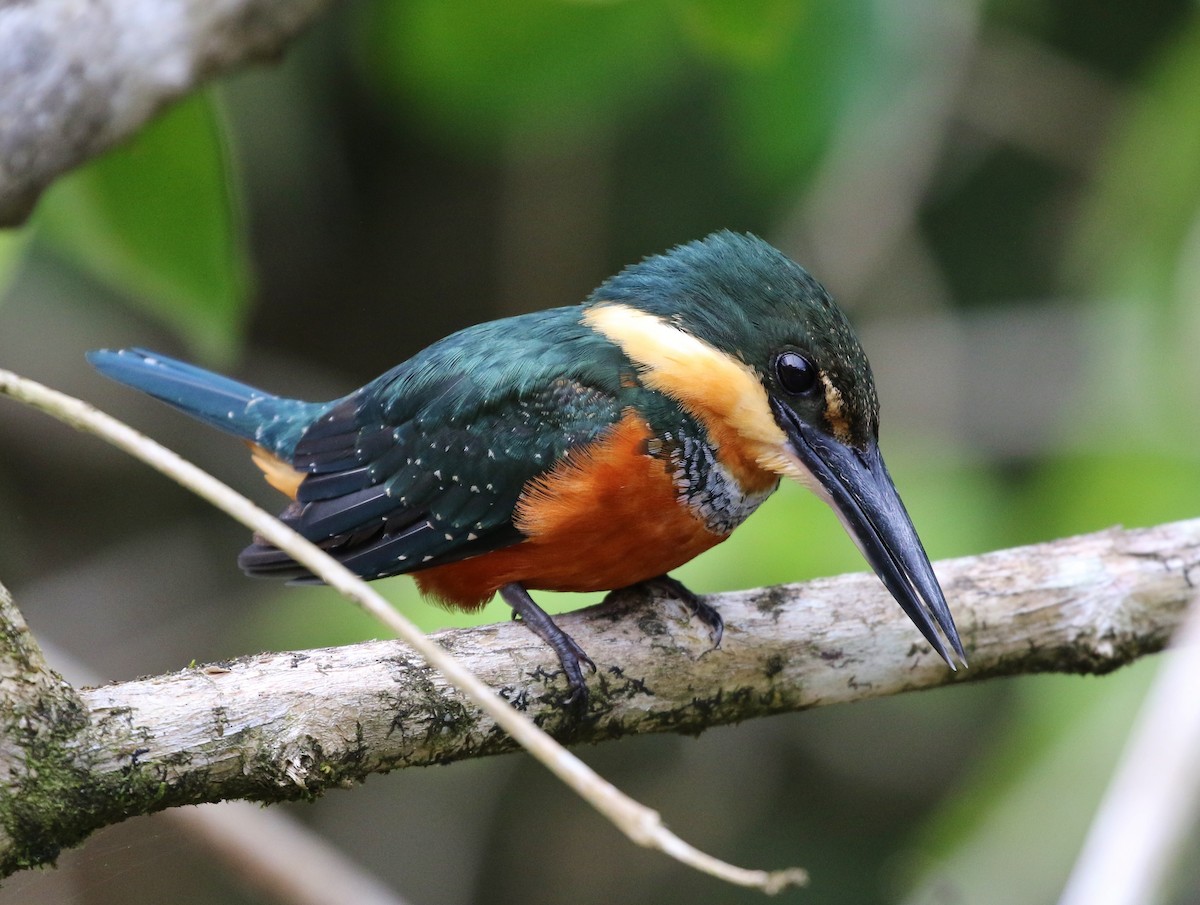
(228, 405)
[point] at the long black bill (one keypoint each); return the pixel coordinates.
(861, 492)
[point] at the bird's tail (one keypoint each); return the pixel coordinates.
(233, 407)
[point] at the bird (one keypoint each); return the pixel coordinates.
(593, 447)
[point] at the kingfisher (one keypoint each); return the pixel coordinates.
(585, 448)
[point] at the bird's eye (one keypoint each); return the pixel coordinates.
(796, 374)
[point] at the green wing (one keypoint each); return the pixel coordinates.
(425, 465)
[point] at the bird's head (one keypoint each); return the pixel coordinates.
(752, 346)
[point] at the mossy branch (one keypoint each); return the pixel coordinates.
(639, 823)
(291, 725)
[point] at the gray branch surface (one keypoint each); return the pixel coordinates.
(78, 76)
(290, 725)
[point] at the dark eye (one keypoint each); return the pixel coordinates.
(796, 374)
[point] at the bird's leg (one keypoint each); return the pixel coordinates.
(570, 654)
(667, 586)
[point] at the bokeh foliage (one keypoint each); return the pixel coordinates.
(435, 136)
(159, 218)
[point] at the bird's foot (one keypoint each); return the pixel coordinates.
(571, 656)
(667, 586)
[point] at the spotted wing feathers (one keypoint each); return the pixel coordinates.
(388, 498)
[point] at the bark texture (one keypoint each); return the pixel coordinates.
(78, 76)
(290, 725)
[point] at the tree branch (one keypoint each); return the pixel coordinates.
(1140, 832)
(639, 823)
(281, 726)
(270, 853)
(39, 714)
(79, 76)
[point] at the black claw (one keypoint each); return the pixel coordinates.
(570, 655)
(665, 584)
(577, 698)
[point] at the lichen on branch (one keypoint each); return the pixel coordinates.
(291, 725)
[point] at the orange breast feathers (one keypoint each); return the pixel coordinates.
(606, 517)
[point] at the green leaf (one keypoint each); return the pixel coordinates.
(13, 243)
(299, 618)
(479, 73)
(791, 83)
(1030, 802)
(751, 32)
(1137, 249)
(1137, 226)
(159, 219)
(1135, 487)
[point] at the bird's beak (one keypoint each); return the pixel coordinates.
(856, 484)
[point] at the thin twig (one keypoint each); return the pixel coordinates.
(262, 725)
(641, 824)
(873, 178)
(1138, 833)
(279, 857)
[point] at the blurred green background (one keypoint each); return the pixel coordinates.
(1006, 196)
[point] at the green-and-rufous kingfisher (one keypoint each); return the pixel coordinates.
(585, 448)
